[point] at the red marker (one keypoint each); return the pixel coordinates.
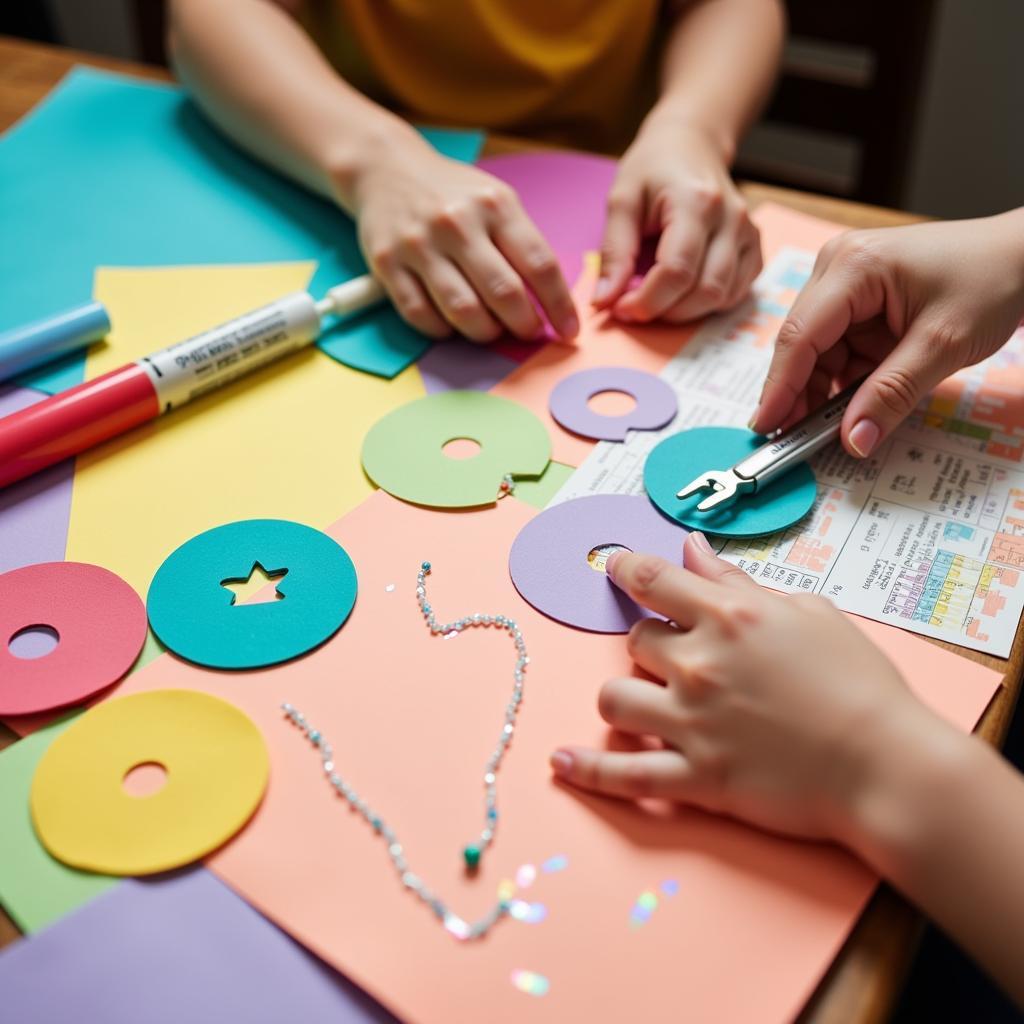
(72, 421)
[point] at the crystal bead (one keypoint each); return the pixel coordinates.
(471, 855)
(489, 779)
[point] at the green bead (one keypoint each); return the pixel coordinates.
(472, 856)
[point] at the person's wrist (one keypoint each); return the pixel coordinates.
(903, 767)
(680, 121)
(363, 154)
(1011, 225)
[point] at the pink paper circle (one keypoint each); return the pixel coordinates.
(100, 621)
(656, 403)
(548, 559)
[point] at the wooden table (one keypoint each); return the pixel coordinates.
(863, 983)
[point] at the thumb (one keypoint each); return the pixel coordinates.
(619, 248)
(699, 558)
(891, 393)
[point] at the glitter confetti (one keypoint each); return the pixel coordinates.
(530, 913)
(531, 982)
(506, 889)
(669, 887)
(557, 863)
(390, 587)
(525, 876)
(646, 904)
(454, 924)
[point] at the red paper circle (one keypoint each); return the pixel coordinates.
(100, 621)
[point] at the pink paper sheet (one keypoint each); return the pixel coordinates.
(412, 718)
(603, 342)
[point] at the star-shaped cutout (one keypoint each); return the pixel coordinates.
(246, 589)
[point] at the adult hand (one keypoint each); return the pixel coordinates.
(453, 247)
(906, 306)
(750, 725)
(673, 182)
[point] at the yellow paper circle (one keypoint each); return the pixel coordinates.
(217, 768)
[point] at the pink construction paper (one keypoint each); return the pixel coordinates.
(656, 403)
(412, 718)
(548, 560)
(100, 621)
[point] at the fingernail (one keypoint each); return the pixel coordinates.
(702, 542)
(864, 437)
(561, 762)
(752, 420)
(609, 565)
(602, 289)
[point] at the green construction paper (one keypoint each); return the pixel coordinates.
(35, 889)
(682, 457)
(540, 491)
(116, 171)
(402, 452)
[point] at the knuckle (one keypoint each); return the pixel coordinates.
(858, 251)
(647, 573)
(897, 391)
(383, 259)
(453, 219)
(543, 266)
(414, 242)
(461, 305)
(636, 779)
(505, 289)
(496, 197)
(620, 201)
(677, 272)
(707, 199)
(791, 333)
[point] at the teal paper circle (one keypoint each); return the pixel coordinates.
(194, 615)
(680, 458)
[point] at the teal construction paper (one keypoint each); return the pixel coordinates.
(378, 341)
(114, 171)
(195, 615)
(680, 458)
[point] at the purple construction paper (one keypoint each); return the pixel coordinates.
(181, 948)
(34, 512)
(548, 560)
(564, 194)
(459, 365)
(656, 402)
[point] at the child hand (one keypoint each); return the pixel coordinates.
(673, 182)
(908, 305)
(774, 709)
(453, 247)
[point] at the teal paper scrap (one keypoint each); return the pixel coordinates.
(115, 171)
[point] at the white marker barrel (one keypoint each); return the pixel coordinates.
(209, 360)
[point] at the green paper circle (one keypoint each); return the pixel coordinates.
(403, 454)
(680, 458)
(194, 615)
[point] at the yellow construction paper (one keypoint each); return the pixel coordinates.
(283, 443)
(216, 766)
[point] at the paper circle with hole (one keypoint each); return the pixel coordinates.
(216, 766)
(680, 458)
(656, 403)
(557, 564)
(100, 624)
(197, 617)
(403, 452)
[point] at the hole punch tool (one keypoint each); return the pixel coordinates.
(774, 458)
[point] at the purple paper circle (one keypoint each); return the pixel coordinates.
(548, 560)
(656, 402)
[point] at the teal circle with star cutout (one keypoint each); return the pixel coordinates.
(196, 616)
(680, 458)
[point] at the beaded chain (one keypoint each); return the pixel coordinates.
(473, 852)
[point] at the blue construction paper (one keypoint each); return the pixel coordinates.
(378, 341)
(680, 458)
(179, 949)
(196, 617)
(110, 170)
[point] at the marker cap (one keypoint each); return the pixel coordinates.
(29, 346)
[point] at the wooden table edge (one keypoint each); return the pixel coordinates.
(863, 982)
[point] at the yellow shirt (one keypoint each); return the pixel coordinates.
(579, 72)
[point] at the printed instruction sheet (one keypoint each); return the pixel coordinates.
(927, 534)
